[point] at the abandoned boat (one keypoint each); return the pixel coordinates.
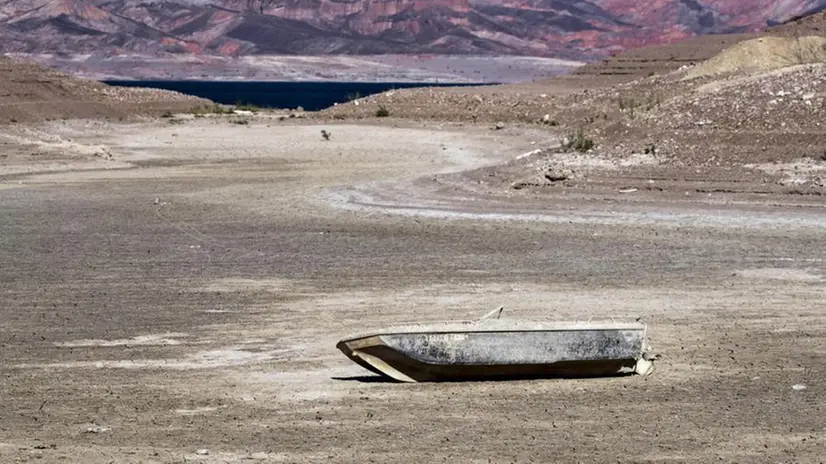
(497, 349)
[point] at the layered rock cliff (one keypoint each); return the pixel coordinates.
(560, 28)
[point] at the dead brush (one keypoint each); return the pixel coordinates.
(382, 112)
(630, 105)
(579, 141)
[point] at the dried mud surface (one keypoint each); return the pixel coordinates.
(173, 292)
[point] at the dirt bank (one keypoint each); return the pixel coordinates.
(31, 93)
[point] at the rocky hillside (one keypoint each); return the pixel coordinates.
(753, 111)
(559, 28)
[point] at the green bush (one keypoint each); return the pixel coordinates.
(382, 112)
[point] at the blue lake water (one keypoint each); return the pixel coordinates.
(311, 96)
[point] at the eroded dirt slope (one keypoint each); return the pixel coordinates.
(29, 92)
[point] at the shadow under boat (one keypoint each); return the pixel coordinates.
(498, 349)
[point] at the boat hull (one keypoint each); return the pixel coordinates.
(474, 354)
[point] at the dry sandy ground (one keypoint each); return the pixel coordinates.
(174, 293)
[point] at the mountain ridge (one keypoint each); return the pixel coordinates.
(571, 29)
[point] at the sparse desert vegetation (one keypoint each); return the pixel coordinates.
(382, 112)
(579, 141)
(213, 108)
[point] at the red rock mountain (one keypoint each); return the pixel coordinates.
(559, 28)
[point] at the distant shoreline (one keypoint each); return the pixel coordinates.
(124, 80)
(438, 69)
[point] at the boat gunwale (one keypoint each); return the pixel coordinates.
(475, 327)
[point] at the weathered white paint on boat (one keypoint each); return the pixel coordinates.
(497, 348)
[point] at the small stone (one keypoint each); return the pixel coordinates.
(98, 429)
(798, 387)
(556, 176)
(500, 125)
(202, 452)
